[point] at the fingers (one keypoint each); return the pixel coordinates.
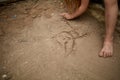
(67, 16)
(63, 14)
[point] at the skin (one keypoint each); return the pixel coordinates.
(78, 12)
(111, 12)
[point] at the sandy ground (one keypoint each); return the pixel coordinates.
(38, 44)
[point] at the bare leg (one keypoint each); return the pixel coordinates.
(111, 12)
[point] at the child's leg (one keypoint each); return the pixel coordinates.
(111, 12)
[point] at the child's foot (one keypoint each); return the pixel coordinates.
(107, 50)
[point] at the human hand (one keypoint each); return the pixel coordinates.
(67, 16)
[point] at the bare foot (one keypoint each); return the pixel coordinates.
(107, 50)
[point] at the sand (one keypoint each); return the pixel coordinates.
(38, 44)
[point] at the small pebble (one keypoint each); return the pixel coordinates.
(4, 76)
(52, 14)
(34, 16)
(14, 16)
(61, 3)
(4, 67)
(39, 15)
(25, 12)
(55, 1)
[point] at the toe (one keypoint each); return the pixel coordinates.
(101, 54)
(108, 54)
(105, 55)
(111, 54)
